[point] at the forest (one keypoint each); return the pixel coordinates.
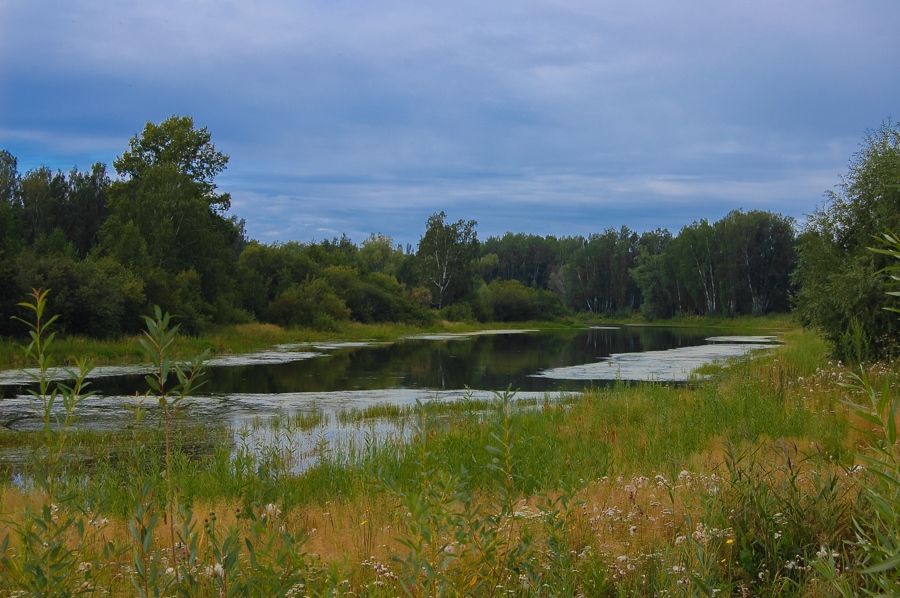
(160, 232)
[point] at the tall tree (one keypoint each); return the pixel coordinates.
(759, 256)
(444, 256)
(185, 248)
(190, 151)
(86, 207)
(10, 224)
(9, 177)
(654, 276)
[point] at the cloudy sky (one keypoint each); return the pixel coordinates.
(541, 117)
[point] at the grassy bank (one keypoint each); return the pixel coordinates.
(746, 484)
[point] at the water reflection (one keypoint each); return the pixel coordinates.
(341, 375)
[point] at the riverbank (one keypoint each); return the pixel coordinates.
(744, 483)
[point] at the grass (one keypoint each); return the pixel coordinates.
(736, 484)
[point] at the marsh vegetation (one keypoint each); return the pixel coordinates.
(751, 481)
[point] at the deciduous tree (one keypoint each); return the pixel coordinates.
(444, 256)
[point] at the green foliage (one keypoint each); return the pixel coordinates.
(167, 223)
(41, 553)
(43, 202)
(187, 150)
(164, 225)
(839, 279)
(532, 260)
(312, 304)
(95, 297)
(511, 302)
(738, 265)
(445, 257)
(459, 312)
(877, 541)
(877, 537)
(378, 253)
(57, 546)
(655, 276)
(597, 276)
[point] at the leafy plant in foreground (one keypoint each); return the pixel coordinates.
(877, 542)
(44, 555)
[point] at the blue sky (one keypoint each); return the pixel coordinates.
(540, 117)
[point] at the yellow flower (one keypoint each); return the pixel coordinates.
(363, 522)
(729, 541)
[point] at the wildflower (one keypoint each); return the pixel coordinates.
(729, 541)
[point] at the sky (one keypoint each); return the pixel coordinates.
(562, 118)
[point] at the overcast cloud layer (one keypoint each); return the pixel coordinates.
(546, 118)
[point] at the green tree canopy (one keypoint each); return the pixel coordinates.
(190, 151)
(168, 224)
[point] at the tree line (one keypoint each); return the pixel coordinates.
(160, 233)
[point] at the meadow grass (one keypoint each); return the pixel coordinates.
(746, 482)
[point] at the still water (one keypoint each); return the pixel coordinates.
(340, 376)
(438, 362)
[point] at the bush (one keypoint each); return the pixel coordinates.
(511, 301)
(311, 303)
(459, 312)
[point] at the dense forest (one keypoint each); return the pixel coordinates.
(161, 233)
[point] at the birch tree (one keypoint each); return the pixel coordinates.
(444, 255)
